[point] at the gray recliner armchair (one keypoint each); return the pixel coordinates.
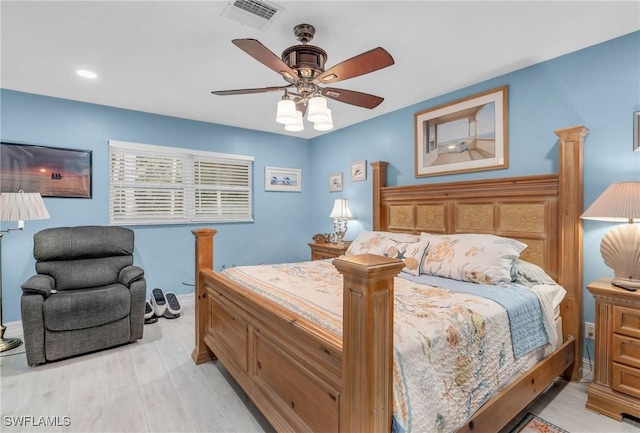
(87, 294)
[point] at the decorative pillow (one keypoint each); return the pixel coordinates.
(529, 274)
(370, 242)
(412, 254)
(477, 258)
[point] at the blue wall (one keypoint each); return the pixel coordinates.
(598, 87)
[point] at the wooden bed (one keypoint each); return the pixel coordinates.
(303, 378)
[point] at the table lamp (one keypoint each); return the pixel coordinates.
(21, 207)
(620, 247)
(341, 215)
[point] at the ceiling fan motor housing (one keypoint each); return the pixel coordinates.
(307, 60)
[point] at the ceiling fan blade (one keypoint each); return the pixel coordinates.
(248, 91)
(352, 97)
(361, 64)
(262, 54)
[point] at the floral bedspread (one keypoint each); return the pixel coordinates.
(451, 350)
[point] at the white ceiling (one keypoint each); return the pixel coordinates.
(165, 57)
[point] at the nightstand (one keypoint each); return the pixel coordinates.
(328, 250)
(616, 384)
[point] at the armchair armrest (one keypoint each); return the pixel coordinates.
(40, 284)
(130, 274)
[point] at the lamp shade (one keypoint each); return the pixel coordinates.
(620, 202)
(341, 209)
(296, 126)
(286, 111)
(324, 125)
(318, 111)
(22, 206)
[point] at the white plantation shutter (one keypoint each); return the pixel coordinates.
(165, 185)
(222, 190)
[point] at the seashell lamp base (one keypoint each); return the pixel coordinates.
(620, 249)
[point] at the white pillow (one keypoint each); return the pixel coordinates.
(412, 254)
(529, 274)
(477, 258)
(370, 242)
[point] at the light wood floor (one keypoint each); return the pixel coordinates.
(153, 386)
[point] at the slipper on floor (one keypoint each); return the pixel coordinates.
(149, 315)
(158, 302)
(173, 307)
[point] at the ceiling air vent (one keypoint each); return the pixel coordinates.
(257, 14)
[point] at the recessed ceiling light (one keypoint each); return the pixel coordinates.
(86, 74)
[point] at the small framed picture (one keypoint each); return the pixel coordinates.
(335, 182)
(636, 131)
(282, 179)
(358, 171)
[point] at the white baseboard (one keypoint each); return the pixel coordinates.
(187, 299)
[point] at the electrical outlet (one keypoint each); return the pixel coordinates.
(589, 331)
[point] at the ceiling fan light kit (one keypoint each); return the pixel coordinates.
(302, 66)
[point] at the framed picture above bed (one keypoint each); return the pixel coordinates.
(470, 134)
(51, 171)
(282, 179)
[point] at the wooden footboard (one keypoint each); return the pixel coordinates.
(296, 372)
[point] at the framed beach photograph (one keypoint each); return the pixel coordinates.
(636, 131)
(358, 171)
(282, 179)
(51, 171)
(335, 182)
(469, 134)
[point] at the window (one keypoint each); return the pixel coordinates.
(167, 185)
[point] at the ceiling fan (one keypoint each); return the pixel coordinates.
(302, 66)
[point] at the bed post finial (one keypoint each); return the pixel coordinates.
(570, 172)
(366, 403)
(204, 260)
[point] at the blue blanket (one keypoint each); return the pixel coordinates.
(522, 305)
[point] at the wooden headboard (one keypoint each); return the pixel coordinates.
(542, 211)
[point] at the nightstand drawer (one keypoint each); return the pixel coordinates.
(626, 350)
(626, 321)
(626, 379)
(320, 255)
